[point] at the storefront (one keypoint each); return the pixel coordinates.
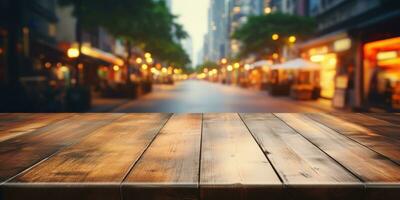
(334, 55)
(382, 73)
(257, 74)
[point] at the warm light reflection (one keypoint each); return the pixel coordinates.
(73, 53)
(317, 58)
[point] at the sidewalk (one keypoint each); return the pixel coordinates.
(101, 104)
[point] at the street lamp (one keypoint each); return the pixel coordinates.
(275, 37)
(149, 60)
(229, 68)
(236, 65)
(147, 55)
(224, 61)
(292, 39)
(267, 10)
(139, 60)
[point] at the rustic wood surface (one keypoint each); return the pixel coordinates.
(172, 159)
(200, 156)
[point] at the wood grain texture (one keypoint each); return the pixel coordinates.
(169, 169)
(296, 159)
(14, 125)
(104, 156)
(231, 157)
(378, 126)
(195, 156)
(20, 153)
(375, 141)
(366, 164)
(389, 117)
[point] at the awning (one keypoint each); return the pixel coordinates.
(297, 64)
(260, 63)
(102, 55)
(93, 53)
(323, 40)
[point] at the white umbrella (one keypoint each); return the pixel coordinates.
(260, 63)
(298, 64)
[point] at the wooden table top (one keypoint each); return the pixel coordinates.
(200, 156)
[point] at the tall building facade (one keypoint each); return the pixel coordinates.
(224, 18)
(293, 7)
(239, 12)
(215, 44)
(27, 37)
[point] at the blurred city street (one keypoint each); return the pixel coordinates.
(200, 96)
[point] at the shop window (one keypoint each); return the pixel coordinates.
(382, 72)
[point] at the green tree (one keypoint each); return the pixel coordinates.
(144, 23)
(256, 34)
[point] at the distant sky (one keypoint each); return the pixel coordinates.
(193, 15)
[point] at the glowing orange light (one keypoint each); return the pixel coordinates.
(224, 61)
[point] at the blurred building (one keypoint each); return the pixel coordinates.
(100, 51)
(215, 46)
(294, 7)
(35, 42)
(358, 48)
(239, 12)
(225, 17)
(29, 29)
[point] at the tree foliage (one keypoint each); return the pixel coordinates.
(142, 22)
(256, 34)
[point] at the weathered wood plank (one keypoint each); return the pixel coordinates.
(104, 158)
(232, 164)
(378, 126)
(14, 125)
(307, 172)
(381, 144)
(363, 162)
(169, 169)
(389, 117)
(296, 159)
(19, 153)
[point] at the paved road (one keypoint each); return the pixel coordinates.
(200, 96)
